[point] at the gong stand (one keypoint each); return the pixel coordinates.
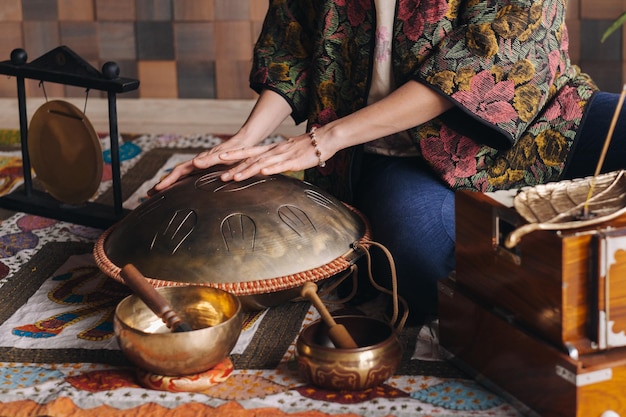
(63, 66)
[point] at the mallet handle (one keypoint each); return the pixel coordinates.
(337, 333)
(155, 301)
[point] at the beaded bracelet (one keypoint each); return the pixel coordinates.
(313, 136)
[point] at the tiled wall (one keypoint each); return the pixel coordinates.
(202, 48)
(176, 48)
(605, 62)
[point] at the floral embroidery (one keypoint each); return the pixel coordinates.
(416, 14)
(526, 102)
(463, 78)
(502, 173)
(489, 57)
(450, 146)
(564, 107)
(522, 71)
(511, 22)
(279, 71)
(356, 10)
(481, 40)
(445, 80)
(552, 147)
(294, 32)
(488, 99)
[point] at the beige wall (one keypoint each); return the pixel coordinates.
(202, 48)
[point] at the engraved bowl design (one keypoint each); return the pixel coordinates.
(368, 366)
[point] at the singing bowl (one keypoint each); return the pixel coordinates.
(215, 315)
(260, 239)
(372, 363)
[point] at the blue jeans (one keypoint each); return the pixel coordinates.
(584, 157)
(411, 211)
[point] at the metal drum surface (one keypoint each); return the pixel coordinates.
(259, 238)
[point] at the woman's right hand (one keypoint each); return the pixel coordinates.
(267, 114)
(203, 160)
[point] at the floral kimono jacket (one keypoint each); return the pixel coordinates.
(503, 63)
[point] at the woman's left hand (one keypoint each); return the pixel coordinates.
(295, 154)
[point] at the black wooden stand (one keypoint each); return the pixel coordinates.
(63, 66)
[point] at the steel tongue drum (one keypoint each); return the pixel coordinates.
(260, 239)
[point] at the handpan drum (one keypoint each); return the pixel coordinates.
(260, 239)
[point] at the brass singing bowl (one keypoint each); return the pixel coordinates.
(215, 315)
(372, 363)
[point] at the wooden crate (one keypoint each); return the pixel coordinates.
(536, 376)
(551, 283)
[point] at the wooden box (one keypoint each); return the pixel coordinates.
(534, 375)
(566, 287)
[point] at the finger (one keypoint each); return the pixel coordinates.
(295, 158)
(245, 169)
(287, 165)
(266, 165)
(206, 159)
(244, 153)
(177, 173)
(152, 191)
(246, 158)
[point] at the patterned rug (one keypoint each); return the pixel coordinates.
(59, 357)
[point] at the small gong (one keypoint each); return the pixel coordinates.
(65, 152)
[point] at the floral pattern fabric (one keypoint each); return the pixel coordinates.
(504, 64)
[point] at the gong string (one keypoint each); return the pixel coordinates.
(605, 149)
(42, 85)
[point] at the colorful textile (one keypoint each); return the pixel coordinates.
(503, 63)
(59, 356)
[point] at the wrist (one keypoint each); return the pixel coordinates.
(329, 140)
(316, 147)
(247, 136)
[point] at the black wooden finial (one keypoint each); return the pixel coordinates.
(18, 56)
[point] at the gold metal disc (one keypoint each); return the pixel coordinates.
(65, 152)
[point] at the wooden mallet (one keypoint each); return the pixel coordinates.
(155, 301)
(337, 333)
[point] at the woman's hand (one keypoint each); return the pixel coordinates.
(201, 161)
(295, 154)
(268, 113)
(410, 105)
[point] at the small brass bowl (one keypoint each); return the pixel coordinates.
(215, 315)
(372, 363)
